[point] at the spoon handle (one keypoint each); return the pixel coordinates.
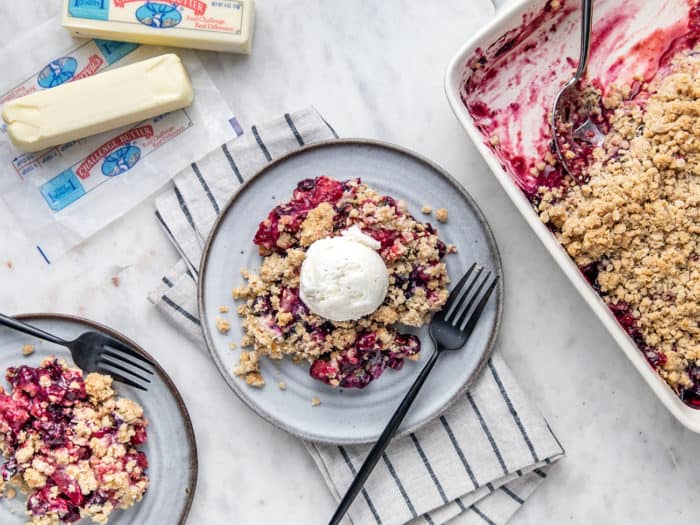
(586, 24)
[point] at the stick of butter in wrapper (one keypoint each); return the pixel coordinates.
(214, 25)
(99, 103)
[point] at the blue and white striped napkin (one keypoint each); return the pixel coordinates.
(476, 464)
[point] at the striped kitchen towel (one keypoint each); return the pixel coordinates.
(475, 464)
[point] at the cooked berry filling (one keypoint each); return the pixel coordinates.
(70, 443)
(350, 354)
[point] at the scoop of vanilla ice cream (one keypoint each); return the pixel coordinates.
(343, 278)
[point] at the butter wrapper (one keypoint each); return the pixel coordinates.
(63, 195)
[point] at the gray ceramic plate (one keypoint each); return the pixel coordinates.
(347, 415)
(171, 450)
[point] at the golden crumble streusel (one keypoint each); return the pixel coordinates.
(441, 215)
(277, 323)
(633, 224)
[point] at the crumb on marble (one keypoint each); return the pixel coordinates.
(27, 350)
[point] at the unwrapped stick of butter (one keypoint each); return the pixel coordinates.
(99, 103)
(215, 25)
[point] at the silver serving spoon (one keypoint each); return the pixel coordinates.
(588, 131)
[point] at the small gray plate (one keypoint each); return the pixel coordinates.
(170, 448)
(347, 416)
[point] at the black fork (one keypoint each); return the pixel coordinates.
(450, 329)
(96, 352)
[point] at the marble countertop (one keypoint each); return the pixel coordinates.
(374, 69)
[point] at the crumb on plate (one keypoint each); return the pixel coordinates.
(283, 385)
(441, 215)
(315, 401)
(27, 350)
(426, 209)
(224, 309)
(255, 379)
(222, 325)
(232, 345)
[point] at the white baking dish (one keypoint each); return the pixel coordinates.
(643, 18)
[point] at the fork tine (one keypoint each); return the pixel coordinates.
(457, 289)
(122, 379)
(115, 355)
(457, 323)
(118, 345)
(479, 308)
(105, 361)
(463, 297)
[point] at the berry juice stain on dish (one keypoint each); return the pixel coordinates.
(510, 98)
(343, 266)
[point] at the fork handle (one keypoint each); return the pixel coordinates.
(13, 323)
(383, 441)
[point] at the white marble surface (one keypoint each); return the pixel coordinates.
(374, 69)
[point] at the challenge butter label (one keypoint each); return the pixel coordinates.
(218, 16)
(113, 158)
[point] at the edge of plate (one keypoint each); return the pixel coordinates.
(234, 384)
(189, 429)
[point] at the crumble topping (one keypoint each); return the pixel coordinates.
(98, 387)
(255, 379)
(633, 224)
(315, 401)
(441, 215)
(317, 225)
(426, 209)
(222, 325)
(70, 444)
(277, 323)
(27, 350)
(224, 309)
